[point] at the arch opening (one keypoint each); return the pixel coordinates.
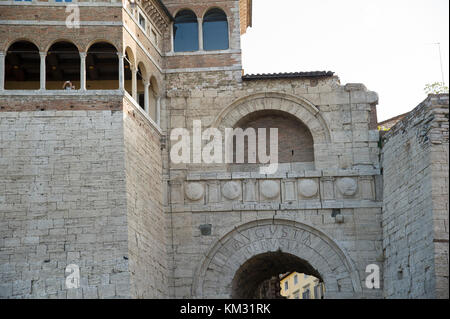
(22, 67)
(62, 66)
(295, 141)
(102, 67)
(260, 276)
(141, 76)
(215, 30)
(128, 75)
(185, 32)
(153, 98)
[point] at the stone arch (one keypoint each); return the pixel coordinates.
(225, 9)
(195, 10)
(299, 107)
(91, 43)
(131, 56)
(214, 276)
(72, 41)
(10, 43)
(143, 69)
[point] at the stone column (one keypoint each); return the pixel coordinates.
(134, 83)
(121, 71)
(43, 69)
(83, 71)
(172, 38)
(146, 97)
(200, 34)
(158, 111)
(2, 71)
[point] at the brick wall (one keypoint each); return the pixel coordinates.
(204, 59)
(295, 143)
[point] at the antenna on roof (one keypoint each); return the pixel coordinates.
(440, 58)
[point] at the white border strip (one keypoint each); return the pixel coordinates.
(61, 92)
(141, 111)
(190, 70)
(60, 23)
(52, 3)
(170, 54)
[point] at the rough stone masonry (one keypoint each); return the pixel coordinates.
(86, 176)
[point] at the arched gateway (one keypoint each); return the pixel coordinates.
(254, 252)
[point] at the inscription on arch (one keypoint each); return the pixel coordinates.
(259, 237)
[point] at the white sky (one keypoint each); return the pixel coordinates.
(384, 44)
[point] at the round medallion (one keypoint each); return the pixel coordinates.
(231, 190)
(347, 186)
(194, 191)
(308, 188)
(270, 189)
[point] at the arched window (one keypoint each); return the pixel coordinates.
(295, 141)
(185, 32)
(141, 76)
(128, 75)
(62, 64)
(215, 30)
(153, 98)
(102, 67)
(22, 66)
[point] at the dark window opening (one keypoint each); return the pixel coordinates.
(142, 21)
(215, 30)
(142, 100)
(22, 67)
(102, 67)
(128, 74)
(62, 65)
(140, 88)
(185, 32)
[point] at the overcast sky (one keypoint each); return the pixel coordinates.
(385, 44)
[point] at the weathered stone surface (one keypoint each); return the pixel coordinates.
(270, 189)
(231, 190)
(194, 191)
(86, 176)
(347, 186)
(415, 218)
(308, 188)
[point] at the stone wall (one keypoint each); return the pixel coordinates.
(62, 201)
(338, 197)
(415, 208)
(146, 220)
